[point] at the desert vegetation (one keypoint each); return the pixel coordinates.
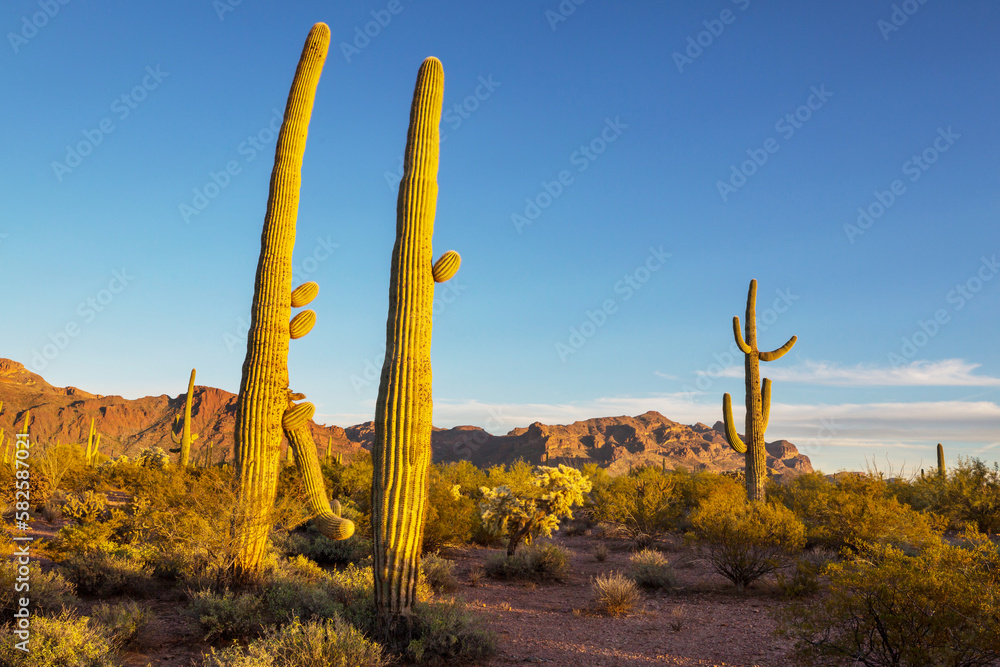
(859, 568)
(385, 558)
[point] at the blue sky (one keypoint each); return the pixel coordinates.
(616, 170)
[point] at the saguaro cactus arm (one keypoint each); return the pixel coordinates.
(765, 402)
(746, 349)
(780, 352)
(326, 514)
(732, 437)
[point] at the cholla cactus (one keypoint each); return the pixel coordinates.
(527, 517)
(153, 457)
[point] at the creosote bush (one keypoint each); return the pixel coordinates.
(854, 509)
(746, 541)
(886, 608)
(439, 572)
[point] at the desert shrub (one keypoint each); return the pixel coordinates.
(651, 569)
(524, 513)
(452, 515)
(615, 594)
(971, 493)
(884, 607)
(318, 547)
(65, 640)
(88, 507)
(107, 572)
(58, 461)
(855, 509)
(446, 632)
(746, 541)
(41, 488)
(317, 643)
(49, 591)
(440, 572)
(225, 614)
(600, 553)
(476, 575)
(292, 588)
(644, 502)
(804, 578)
(541, 562)
(123, 622)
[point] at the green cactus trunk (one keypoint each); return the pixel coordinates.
(185, 438)
(758, 400)
(263, 395)
(402, 449)
(940, 461)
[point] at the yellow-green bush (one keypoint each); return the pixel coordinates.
(651, 569)
(855, 509)
(49, 591)
(329, 642)
(886, 608)
(65, 640)
(745, 541)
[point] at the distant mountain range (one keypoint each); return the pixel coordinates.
(129, 426)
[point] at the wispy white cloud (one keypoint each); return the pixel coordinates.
(944, 373)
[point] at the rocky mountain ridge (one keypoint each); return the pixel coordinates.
(127, 426)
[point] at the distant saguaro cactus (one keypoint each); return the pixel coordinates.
(264, 396)
(401, 452)
(93, 445)
(758, 400)
(181, 435)
(940, 457)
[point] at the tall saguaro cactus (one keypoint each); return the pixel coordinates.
(401, 452)
(758, 400)
(185, 437)
(263, 396)
(940, 460)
